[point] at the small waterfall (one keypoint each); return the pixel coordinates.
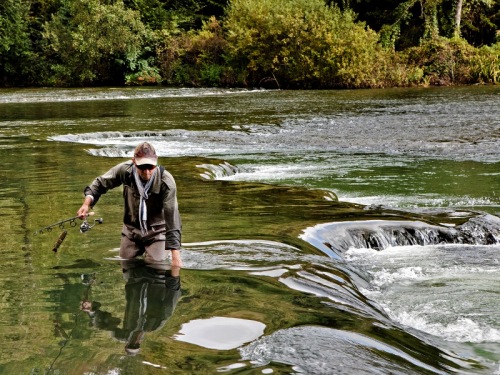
(379, 234)
(214, 172)
(384, 236)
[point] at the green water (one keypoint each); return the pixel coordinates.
(42, 328)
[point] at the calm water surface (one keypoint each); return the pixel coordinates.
(349, 232)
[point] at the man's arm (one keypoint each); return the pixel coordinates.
(172, 217)
(109, 180)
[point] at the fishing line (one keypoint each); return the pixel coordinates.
(66, 341)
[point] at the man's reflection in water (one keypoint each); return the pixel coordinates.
(151, 293)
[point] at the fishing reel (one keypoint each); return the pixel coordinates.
(85, 227)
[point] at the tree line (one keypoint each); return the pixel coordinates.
(249, 43)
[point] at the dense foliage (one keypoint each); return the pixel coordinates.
(270, 43)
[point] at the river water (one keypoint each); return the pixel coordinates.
(324, 232)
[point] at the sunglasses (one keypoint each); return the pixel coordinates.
(146, 167)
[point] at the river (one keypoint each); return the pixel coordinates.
(324, 232)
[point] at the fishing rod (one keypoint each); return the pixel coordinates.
(72, 223)
(84, 227)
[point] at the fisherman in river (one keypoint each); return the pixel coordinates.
(151, 222)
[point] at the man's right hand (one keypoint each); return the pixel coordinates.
(82, 213)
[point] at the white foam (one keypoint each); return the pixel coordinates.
(460, 330)
(448, 291)
(100, 94)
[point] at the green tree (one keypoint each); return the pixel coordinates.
(407, 23)
(300, 43)
(196, 58)
(458, 17)
(92, 42)
(173, 14)
(426, 12)
(15, 44)
(157, 14)
(479, 22)
(459, 8)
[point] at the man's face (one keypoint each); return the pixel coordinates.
(145, 171)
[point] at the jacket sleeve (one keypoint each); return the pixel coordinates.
(173, 222)
(109, 180)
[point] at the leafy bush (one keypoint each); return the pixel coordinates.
(93, 42)
(195, 58)
(146, 75)
(454, 61)
(486, 64)
(301, 43)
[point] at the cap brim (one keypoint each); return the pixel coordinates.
(142, 161)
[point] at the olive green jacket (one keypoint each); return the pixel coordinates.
(162, 207)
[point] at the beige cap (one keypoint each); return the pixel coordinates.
(145, 154)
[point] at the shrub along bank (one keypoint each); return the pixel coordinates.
(252, 43)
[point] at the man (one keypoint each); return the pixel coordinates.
(151, 221)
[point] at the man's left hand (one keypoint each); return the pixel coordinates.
(176, 259)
